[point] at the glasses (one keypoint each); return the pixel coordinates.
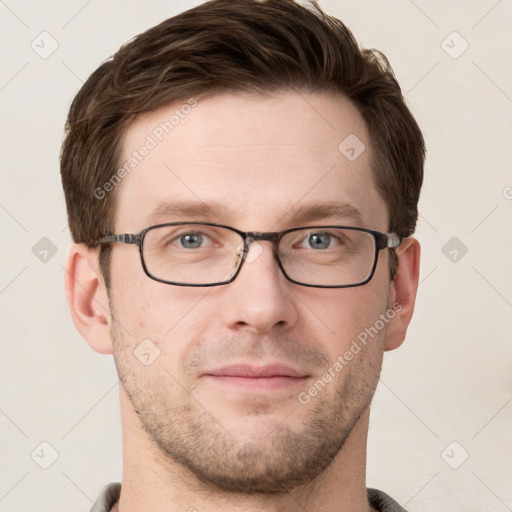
(205, 254)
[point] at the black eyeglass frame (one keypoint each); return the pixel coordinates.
(382, 241)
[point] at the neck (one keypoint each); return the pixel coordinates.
(153, 482)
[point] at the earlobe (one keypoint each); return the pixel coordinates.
(403, 292)
(87, 297)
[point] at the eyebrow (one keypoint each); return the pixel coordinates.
(324, 211)
(217, 212)
(187, 210)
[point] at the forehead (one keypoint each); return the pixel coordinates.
(249, 161)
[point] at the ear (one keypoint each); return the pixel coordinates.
(87, 297)
(402, 295)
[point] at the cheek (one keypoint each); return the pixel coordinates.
(171, 318)
(141, 304)
(354, 307)
(349, 315)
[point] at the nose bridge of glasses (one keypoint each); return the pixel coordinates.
(254, 236)
(258, 236)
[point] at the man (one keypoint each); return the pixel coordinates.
(242, 185)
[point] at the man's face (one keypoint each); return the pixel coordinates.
(251, 163)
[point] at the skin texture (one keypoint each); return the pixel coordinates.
(193, 440)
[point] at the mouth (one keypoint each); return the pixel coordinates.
(267, 377)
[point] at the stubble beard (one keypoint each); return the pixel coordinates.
(264, 464)
(186, 433)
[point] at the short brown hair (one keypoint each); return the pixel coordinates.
(258, 46)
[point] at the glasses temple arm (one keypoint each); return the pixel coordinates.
(125, 238)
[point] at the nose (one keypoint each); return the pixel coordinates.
(260, 298)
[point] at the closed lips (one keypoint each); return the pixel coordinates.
(249, 371)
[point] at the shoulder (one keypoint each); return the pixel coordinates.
(382, 502)
(107, 497)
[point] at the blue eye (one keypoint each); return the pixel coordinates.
(191, 240)
(319, 240)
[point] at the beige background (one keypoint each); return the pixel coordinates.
(452, 379)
